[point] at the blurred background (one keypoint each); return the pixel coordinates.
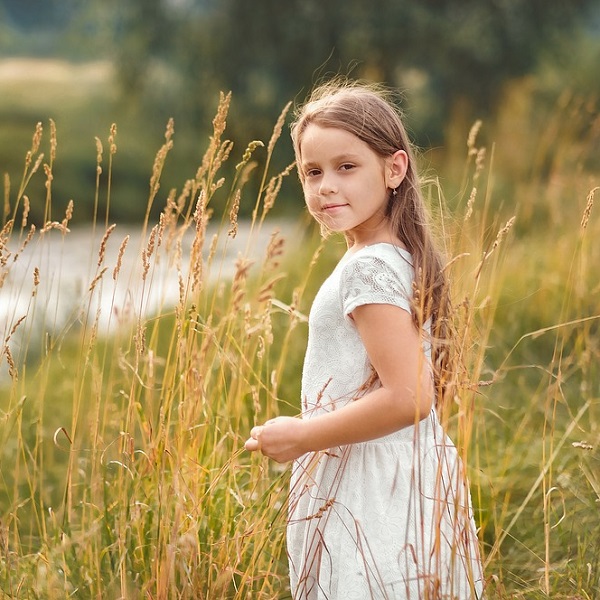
(137, 63)
(524, 74)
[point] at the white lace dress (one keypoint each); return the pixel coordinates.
(390, 518)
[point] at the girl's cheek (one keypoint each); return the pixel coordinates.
(309, 199)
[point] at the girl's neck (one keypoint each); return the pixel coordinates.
(355, 243)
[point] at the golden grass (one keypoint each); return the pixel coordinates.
(123, 470)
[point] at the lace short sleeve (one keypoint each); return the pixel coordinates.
(372, 279)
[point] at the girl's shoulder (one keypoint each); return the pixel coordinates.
(396, 257)
(378, 274)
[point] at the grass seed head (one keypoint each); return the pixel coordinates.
(220, 120)
(102, 250)
(26, 209)
(252, 146)
(12, 368)
(97, 279)
(470, 203)
(99, 150)
(53, 141)
(37, 138)
(111, 139)
(588, 208)
(68, 214)
(278, 128)
(120, 257)
(472, 137)
(233, 214)
(479, 163)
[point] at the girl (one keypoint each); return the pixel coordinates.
(378, 504)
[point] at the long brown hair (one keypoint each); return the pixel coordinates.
(367, 111)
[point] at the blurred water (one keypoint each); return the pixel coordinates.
(68, 264)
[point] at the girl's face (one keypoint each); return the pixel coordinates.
(346, 184)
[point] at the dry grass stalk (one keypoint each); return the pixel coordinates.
(200, 219)
(14, 328)
(267, 324)
(220, 120)
(588, 208)
(273, 189)
(35, 143)
(122, 247)
(275, 250)
(5, 253)
(99, 151)
(37, 164)
(219, 124)
(148, 251)
(6, 231)
(68, 215)
(184, 196)
(215, 186)
(6, 188)
(472, 137)
(102, 249)
(233, 214)
(111, 139)
(242, 268)
(252, 146)
(479, 163)
(49, 225)
(278, 128)
(25, 242)
(12, 368)
(499, 237)
(49, 176)
(97, 279)
(26, 209)
(502, 234)
(470, 203)
(222, 155)
(583, 445)
(53, 141)
(159, 161)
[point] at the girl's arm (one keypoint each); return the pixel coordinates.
(405, 397)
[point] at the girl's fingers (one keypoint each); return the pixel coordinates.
(253, 443)
(256, 431)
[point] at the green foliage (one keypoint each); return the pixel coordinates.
(453, 61)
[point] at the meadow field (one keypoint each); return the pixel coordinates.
(123, 473)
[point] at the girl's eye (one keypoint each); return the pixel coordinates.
(347, 167)
(313, 172)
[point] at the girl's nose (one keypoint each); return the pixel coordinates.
(328, 185)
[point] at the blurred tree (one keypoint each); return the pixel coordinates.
(172, 57)
(30, 14)
(142, 28)
(269, 51)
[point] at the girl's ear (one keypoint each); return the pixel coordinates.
(396, 167)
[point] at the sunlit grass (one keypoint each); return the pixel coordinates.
(123, 470)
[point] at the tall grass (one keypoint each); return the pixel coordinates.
(123, 470)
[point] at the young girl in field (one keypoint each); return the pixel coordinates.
(379, 507)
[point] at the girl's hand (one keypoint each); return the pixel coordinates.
(280, 439)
